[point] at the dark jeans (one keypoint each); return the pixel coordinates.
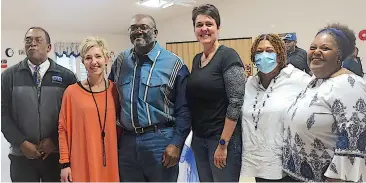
(204, 150)
(140, 157)
(23, 169)
(284, 179)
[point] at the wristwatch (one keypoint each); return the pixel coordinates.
(64, 165)
(223, 142)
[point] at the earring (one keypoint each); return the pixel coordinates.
(339, 58)
(106, 70)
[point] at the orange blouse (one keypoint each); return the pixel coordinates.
(80, 136)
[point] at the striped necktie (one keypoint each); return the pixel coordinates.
(37, 79)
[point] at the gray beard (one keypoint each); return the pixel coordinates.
(290, 50)
(140, 44)
(143, 43)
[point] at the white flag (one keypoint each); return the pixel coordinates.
(187, 164)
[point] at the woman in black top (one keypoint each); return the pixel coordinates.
(215, 91)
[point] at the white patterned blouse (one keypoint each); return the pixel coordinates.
(325, 131)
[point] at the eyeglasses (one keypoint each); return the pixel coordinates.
(29, 40)
(142, 27)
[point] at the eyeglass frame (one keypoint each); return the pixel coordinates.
(138, 27)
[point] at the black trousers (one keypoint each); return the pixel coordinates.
(23, 169)
(284, 179)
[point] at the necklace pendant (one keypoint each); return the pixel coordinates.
(103, 134)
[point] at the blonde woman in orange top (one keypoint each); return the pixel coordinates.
(87, 122)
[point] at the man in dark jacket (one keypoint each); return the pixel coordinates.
(353, 63)
(31, 95)
(295, 55)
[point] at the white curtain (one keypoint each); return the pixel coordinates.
(68, 56)
(67, 48)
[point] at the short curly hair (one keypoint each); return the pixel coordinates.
(278, 45)
(206, 9)
(91, 42)
(350, 45)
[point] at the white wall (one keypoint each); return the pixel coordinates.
(250, 18)
(14, 39)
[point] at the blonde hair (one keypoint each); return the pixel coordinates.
(91, 42)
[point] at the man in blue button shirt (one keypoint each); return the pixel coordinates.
(153, 113)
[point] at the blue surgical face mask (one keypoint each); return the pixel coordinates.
(265, 61)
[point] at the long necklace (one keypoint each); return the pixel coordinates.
(102, 128)
(258, 110)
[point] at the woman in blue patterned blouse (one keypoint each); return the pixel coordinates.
(325, 134)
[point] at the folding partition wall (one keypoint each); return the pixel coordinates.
(187, 50)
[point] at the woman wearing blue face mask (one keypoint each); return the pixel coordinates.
(267, 95)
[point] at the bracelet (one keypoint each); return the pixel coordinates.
(64, 165)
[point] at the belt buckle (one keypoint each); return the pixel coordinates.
(139, 130)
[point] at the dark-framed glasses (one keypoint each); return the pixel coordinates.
(142, 27)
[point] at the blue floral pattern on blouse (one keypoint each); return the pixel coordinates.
(325, 131)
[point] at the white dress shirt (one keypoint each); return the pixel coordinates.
(43, 67)
(262, 147)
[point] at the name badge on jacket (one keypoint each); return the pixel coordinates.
(57, 79)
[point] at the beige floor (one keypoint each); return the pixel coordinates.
(247, 179)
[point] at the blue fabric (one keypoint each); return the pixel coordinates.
(339, 33)
(265, 61)
(204, 150)
(187, 157)
(136, 90)
(160, 96)
(35, 74)
(183, 119)
(35, 79)
(67, 54)
(140, 157)
(290, 37)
